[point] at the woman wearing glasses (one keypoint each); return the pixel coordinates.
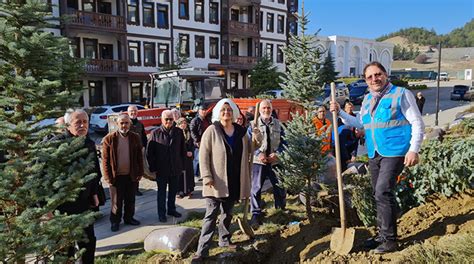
(224, 157)
(166, 152)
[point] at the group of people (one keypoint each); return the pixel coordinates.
(235, 153)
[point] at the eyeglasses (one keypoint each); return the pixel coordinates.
(374, 76)
(168, 119)
(321, 111)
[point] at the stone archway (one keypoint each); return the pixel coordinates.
(355, 61)
(386, 60)
(373, 55)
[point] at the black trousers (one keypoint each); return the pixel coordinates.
(88, 256)
(163, 181)
(384, 172)
(122, 194)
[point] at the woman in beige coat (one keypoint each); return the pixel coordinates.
(224, 166)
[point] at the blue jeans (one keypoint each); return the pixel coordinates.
(196, 162)
(171, 182)
(259, 174)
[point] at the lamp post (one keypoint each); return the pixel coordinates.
(437, 86)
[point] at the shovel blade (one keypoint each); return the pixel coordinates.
(246, 228)
(342, 240)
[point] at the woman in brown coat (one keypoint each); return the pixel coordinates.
(224, 166)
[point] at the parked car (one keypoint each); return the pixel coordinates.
(469, 95)
(276, 93)
(443, 76)
(98, 121)
(342, 94)
(459, 91)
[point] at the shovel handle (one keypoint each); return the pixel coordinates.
(342, 211)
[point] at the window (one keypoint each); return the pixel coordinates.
(148, 14)
(136, 89)
(234, 48)
(279, 53)
(214, 13)
(132, 11)
(199, 46)
(269, 51)
(149, 54)
(106, 51)
(234, 81)
(183, 9)
(270, 17)
(88, 5)
(199, 10)
(214, 48)
(234, 14)
(260, 49)
(281, 24)
(163, 55)
(184, 44)
(162, 16)
(261, 21)
(293, 29)
(95, 93)
(281, 1)
(74, 50)
(134, 53)
(90, 48)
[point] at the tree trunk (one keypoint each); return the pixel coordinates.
(307, 195)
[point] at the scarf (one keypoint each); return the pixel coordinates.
(376, 96)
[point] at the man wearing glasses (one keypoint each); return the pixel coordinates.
(394, 133)
(166, 152)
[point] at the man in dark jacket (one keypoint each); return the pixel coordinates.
(122, 162)
(138, 128)
(77, 126)
(197, 126)
(166, 152)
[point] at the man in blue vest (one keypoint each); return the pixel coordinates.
(394, 133)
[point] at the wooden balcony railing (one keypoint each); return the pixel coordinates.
(98, 20)
(241, 62)
(106, 66)
(241, 28)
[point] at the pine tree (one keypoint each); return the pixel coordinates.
(302, 162)
(328, 71)
(264, 76)
(38, 80)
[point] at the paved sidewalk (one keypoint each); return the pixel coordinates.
(146, 213)
(445, 117)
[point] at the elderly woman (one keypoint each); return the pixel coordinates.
(186, 181)
(224, 157)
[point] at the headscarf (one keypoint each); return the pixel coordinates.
(217, 110)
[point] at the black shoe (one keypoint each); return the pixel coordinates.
(132, 222)
(138, 193)
(163, 219)
(175, 214)
(255, 222)
(387, 246)
(372, 242)
(114, 227)
(197, 259)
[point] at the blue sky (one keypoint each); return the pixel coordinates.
(371, 18)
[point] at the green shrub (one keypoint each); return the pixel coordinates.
(362, 198)
(400, 83)
(418, 87)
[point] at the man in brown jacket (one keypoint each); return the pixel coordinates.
(122, 162)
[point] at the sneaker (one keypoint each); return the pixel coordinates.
(114, 227)
(386, 246)
(175, 214)
(197, 259)
(372, 242)
(230, 246)
(132, 222)
(162, 219)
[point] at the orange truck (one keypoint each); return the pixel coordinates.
(186, 88)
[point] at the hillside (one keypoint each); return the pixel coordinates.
(457, 38)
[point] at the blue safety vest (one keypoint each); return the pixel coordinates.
(388, 131)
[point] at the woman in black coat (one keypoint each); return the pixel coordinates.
(186, 182)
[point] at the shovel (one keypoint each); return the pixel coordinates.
(342, 238)
(243, 223)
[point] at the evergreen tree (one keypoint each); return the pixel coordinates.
(264, 76)
(328, 70)
(302, 162)
(38, 80)
(181, 61)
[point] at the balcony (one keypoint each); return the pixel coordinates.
(106, 67)
(244, 2)
(239, 62)
(241, 28)
(97, 21)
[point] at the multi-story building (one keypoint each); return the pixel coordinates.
(126, 40)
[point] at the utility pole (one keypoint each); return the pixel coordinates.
(437, 86)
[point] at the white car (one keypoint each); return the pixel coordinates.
(98, 121)
(443, 76)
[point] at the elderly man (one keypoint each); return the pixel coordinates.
(166, 152)
(77, 122)
(394, 133)
(122, 162)
(265, 159)
(138, 128)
